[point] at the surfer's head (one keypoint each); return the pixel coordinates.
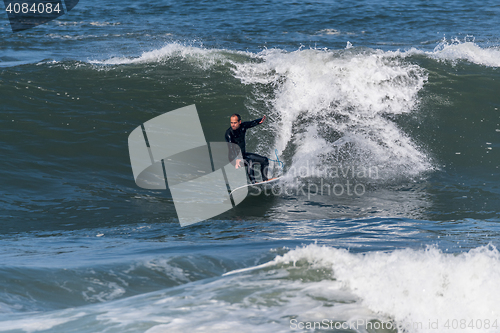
(235, 121)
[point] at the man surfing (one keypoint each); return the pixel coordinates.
(236, 134)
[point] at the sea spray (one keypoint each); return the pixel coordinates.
(330, 100)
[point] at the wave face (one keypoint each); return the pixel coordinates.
(398, 291)
(382, 120)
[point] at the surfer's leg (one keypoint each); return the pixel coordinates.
(249, 168)
(263, 161)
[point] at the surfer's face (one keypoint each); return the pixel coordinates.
(235, 123)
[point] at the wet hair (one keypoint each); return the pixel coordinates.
(235, 115)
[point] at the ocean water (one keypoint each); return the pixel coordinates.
(385, 113)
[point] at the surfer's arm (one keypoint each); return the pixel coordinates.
(253, 123)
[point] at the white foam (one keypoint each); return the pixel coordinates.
(334, 32)
(37, 323)
(102, 24)
(163, 265)
(317, 92)
(198, 56)
(416, 286)
(404, 287)
(308, 284)
(317, 96)
(112, 291)
(455, 50)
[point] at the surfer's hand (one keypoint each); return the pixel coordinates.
(263, 118)
(238, 164)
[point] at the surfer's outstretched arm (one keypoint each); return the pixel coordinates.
(253, 123)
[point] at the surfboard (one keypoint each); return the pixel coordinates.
(271, 180)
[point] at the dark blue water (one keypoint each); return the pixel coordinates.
(408, 91)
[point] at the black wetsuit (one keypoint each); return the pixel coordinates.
(238, 137)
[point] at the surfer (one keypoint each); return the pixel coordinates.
(236, 134)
